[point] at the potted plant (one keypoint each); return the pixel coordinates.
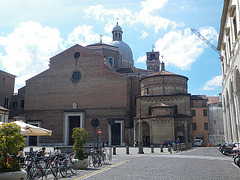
(80, 139)
(10, 142)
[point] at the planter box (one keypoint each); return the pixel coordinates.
(14, 175)
(81, 164)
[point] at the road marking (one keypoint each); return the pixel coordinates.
(195, 157)
(101, 170)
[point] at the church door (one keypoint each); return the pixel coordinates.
(116, 134)
(74, 121)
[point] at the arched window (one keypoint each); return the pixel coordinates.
(111, 61)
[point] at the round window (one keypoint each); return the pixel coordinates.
(76, 76)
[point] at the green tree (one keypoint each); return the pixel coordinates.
(10, 142)
(80, 139)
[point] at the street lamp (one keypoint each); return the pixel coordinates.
(140, 145)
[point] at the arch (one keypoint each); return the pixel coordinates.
(111, 61)
(145, 133)
(179, 133)
(233, 112)
(224, 118)
(237, 100)
(228, 117)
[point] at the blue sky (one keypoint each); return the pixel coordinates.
(31, 32)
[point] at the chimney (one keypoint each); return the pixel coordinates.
(162, 66)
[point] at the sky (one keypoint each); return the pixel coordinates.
(31, 32)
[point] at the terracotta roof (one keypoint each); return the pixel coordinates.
(163, 73)
(199, 97)
(100, 44)
(161, 105)
(4, 109)
(213, 100)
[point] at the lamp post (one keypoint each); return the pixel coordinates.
(140, 145)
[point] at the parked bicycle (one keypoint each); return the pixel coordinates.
(40, 167)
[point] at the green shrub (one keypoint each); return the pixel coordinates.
(10, 142)
(80, 139)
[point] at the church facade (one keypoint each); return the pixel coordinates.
(100, 81)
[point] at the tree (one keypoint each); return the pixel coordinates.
(80, 139)
(10, 142)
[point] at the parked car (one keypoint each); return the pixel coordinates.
(198, 142)
(166, 143)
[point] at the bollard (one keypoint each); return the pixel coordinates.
(161, 148)
(178, 147)
(127, 149)
(152, 149)
(174, 147)
(182, 146)
(114, 150)
(169, 148)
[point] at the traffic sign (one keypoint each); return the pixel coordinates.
(99, 132)
(95, 122)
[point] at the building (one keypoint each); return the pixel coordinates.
(4, 114)
(163, 108)
(200, 118)
(100, 81)
(216, 134)
(6, 89)
(228, 45)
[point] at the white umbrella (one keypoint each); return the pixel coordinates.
(22, 132)
(32, 130)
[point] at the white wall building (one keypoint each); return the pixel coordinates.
(228, 45)
(4, 114)
(216, 134)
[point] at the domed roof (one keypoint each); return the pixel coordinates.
(117, 28)
(125, 49)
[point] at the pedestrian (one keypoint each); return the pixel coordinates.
(20, 156)
(42, 152)
(178, 140)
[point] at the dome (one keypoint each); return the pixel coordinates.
(117, 28)
(125, 49)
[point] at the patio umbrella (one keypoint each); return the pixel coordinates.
(33, 130)
(22, 132)
(30, 130)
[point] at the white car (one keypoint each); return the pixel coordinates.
(198, 142)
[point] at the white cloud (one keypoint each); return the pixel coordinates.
(181, 49)
(84, 35)
(151, 5)
(213, 83)
(145, 16)
(141, 59)
(28, 49)
(144, 34)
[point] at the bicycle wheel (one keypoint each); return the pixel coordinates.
(36, 172)
(73, 168)
(63, 170)
(95, 160)
(54, 169)
(99, 160)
